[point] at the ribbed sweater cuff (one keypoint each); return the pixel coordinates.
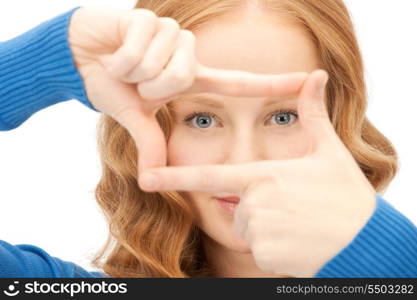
(37, 70)
(385, 247)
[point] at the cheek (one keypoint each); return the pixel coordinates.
(185, 148)
(287, 146)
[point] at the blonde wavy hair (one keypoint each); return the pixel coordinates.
(153, 234)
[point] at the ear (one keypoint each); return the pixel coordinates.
(312, 109)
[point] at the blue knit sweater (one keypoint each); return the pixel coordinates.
(37, 71)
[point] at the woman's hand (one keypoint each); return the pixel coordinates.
(133, 62)
(294, 214)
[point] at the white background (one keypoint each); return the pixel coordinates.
(49, 165)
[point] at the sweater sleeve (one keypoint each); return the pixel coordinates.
(385, 247)
(37, 70)
(30, 261)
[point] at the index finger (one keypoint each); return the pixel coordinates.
(242, 83)
(204, 178)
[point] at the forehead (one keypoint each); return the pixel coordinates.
(255, 42)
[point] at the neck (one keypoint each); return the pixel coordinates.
(228, 263)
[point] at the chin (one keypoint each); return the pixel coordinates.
(239, 245)
(228, 240)
(232, 242)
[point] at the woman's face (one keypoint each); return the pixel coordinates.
(217, 129)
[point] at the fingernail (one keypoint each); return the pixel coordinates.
(322, 86)
(149, 181)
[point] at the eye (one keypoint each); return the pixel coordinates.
(284, 117)
(201, 120)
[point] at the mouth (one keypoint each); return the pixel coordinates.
(230, 199)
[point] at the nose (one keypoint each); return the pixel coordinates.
(243, 147)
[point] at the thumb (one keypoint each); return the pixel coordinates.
(148, 137)
(122, 102)
(151, 144)
(313, 114)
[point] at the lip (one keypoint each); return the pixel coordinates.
(230, 199)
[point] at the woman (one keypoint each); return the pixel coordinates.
(162, 235)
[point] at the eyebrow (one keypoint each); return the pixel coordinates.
(210, 100)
